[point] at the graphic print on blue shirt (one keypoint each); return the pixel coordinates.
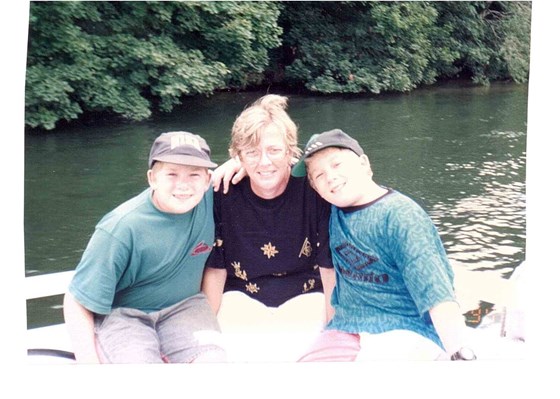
(359, 260)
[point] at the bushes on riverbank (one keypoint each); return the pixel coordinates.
(131, 58)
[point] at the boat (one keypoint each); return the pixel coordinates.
(51, 343)
(501, 333)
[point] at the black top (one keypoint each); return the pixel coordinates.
(271, 248)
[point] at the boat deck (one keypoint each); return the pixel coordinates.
(500, 335)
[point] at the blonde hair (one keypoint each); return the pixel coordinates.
(267, 111)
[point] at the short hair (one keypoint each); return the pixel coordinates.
(269, 110)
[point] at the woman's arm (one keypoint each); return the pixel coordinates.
(213, 283)
(328, 278)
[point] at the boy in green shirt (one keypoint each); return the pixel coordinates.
(135, 297)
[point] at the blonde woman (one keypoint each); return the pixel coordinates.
(269, 277)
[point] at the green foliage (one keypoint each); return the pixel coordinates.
(492, 38)
(354, 47)
(47, 98)
(372, 46)
(129, 57)
(243, 38)
(132, 58)
(515, 47)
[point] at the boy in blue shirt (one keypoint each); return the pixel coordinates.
(136, 296)
(394, 295)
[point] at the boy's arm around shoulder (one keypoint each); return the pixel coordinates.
(79, 322)
(230, 171)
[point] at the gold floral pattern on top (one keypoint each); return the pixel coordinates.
(242, 274)
(309, 285)
(269, 250)
(252, 288)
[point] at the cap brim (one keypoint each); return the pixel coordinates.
(186, 160)
(299, 169)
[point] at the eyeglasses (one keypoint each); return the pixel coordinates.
(254, 155)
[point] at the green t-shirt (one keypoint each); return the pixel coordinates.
(142, 258)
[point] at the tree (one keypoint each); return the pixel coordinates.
(493, 38)
(133, 58)
(361, 47)
(129, 57)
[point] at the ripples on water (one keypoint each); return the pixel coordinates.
(486, 231)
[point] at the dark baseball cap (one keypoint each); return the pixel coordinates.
(320, 141)
(183, 148)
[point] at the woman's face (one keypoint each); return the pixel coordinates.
(267, 164)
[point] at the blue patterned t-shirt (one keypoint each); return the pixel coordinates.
(391, 267)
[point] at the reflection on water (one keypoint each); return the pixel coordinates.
(483, 231)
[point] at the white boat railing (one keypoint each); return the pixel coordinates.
(50, 341)
(47, 284)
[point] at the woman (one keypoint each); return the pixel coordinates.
(269, 277)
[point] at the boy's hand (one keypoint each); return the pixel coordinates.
(229, 171)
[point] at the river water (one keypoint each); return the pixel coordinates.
(458, 150)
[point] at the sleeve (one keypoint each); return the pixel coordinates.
(103, 263)
(216, 257)
(420, 256)
(323, 256)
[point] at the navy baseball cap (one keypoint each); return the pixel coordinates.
(320, 141)
(183, 148)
